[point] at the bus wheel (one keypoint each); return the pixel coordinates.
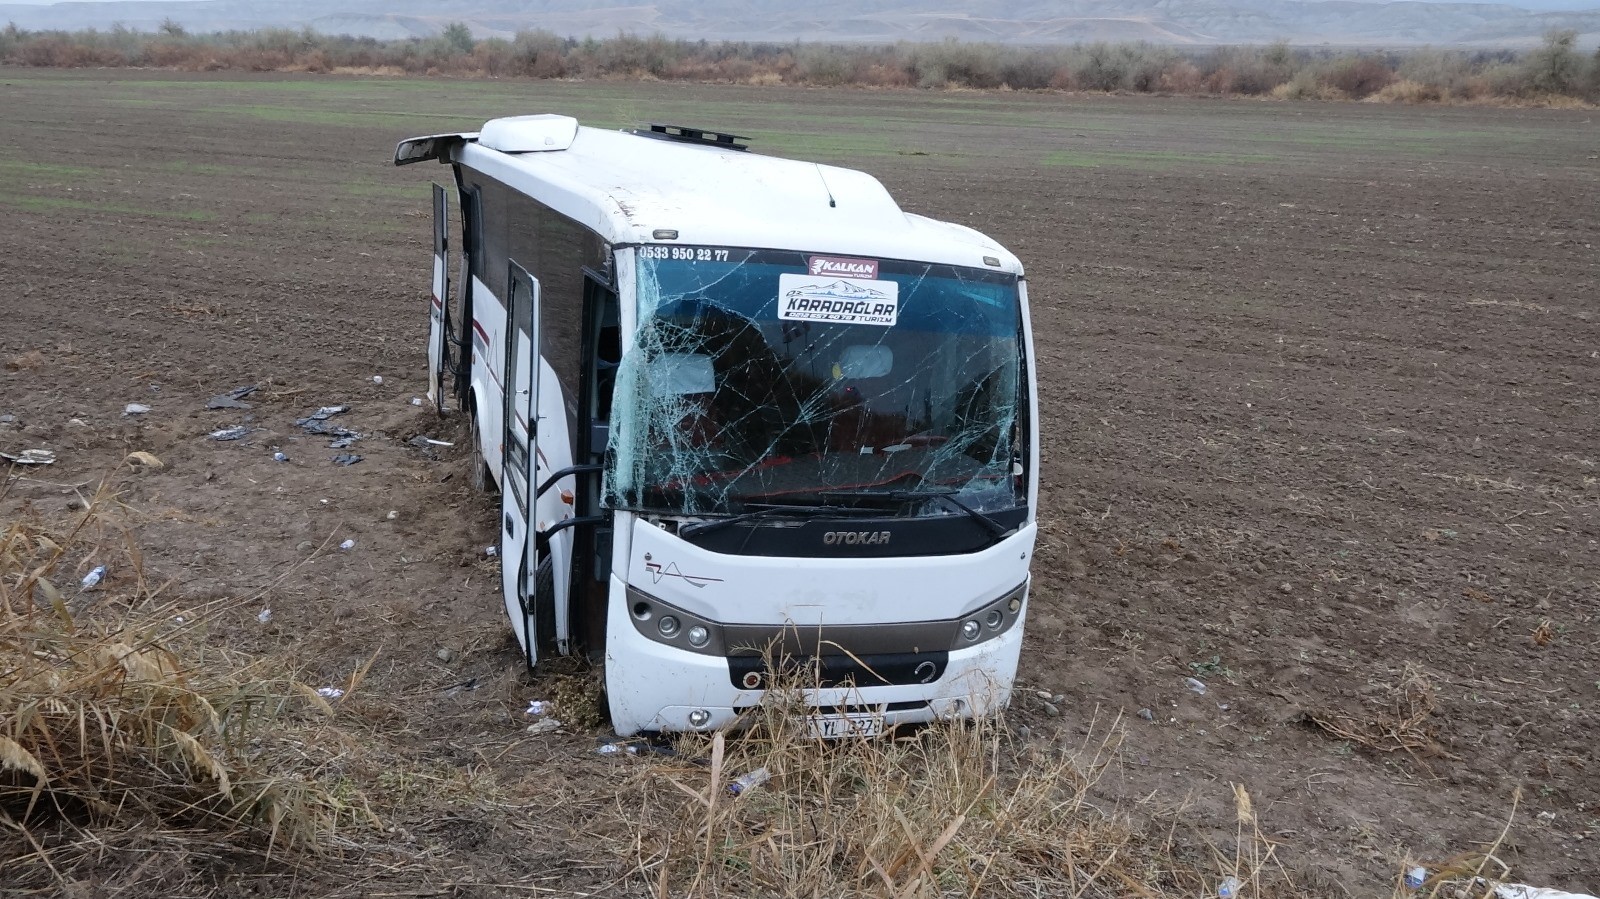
(479, 469)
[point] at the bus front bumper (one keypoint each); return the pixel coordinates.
(655, 687)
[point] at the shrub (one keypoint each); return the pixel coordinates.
(1360, 76)
(1407, 91)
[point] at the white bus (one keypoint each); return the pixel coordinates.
(743, 411)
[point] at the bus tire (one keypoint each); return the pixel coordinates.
(478, 468)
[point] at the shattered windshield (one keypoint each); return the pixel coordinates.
(759, 378)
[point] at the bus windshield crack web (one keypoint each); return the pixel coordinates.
(728, 399)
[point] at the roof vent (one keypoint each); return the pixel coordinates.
(689, 135)
(529, 133)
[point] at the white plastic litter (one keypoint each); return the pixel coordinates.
(416, 401)
(544, 726)
(1416, 877)
(377, 379)
(1196, 685)
(93, 578)
(348, 545)
(31, 457)
(265, 616)
(538, 707)
(606, 748)
(135, 409)
(330, 692)
(1523, 891)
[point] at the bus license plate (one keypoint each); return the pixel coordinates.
(833, 727)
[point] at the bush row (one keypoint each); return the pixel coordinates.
(1557, 68)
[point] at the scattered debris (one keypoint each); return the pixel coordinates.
(94, 577)
(233, 433)
(1523, 891)
(322, 414)
(393, 514)
(330, 692)
(8, 418)
(421, 442)
(377, 379)
(31, 457)
(264, 616)
(1196, 686)
(538, 707)
(77, 423)
(416, 401)
(491, 551)
(348, 545)
(465, 686)
(603, 749)
(144, 460)
(750, 781)
(1229, 888)
(545, 726)
(343, 442)
(1416, 877)
(230, 400)
(135, 409)
(346, 459)
(279, 457)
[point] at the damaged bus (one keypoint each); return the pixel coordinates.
(742, 412)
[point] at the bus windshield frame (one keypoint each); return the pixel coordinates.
(764, 379)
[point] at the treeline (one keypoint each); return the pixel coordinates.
(1556, 71)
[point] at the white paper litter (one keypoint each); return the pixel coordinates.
(135, 409)
(348, 545)
(537, 707)
(330, 692)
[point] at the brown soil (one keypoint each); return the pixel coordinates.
(1319, 387)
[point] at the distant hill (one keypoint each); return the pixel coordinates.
(1192, 22)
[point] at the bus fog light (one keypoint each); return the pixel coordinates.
(1014, 606)
(698, 636)
(699, 718)
(992, 619)
(668, 626)
(641, 611)
(969, 629)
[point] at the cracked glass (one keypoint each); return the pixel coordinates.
(760, 379)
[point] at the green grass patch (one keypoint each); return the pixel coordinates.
(70, 204)
(1152, 160)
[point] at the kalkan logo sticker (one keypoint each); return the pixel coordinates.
(844, 301)
(842, 267)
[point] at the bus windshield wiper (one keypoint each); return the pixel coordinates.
(947, 494)
(717, 524)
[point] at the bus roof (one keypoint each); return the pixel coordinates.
(628, 186)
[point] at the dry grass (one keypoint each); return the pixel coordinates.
(120, 740)
(954, 809)
(1406, 724)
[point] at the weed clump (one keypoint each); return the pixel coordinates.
(113, 736)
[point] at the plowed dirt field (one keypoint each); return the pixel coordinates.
(1321, 399)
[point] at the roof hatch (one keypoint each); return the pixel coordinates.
(529, 133)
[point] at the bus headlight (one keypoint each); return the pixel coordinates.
(664, 623)
(990, 620)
